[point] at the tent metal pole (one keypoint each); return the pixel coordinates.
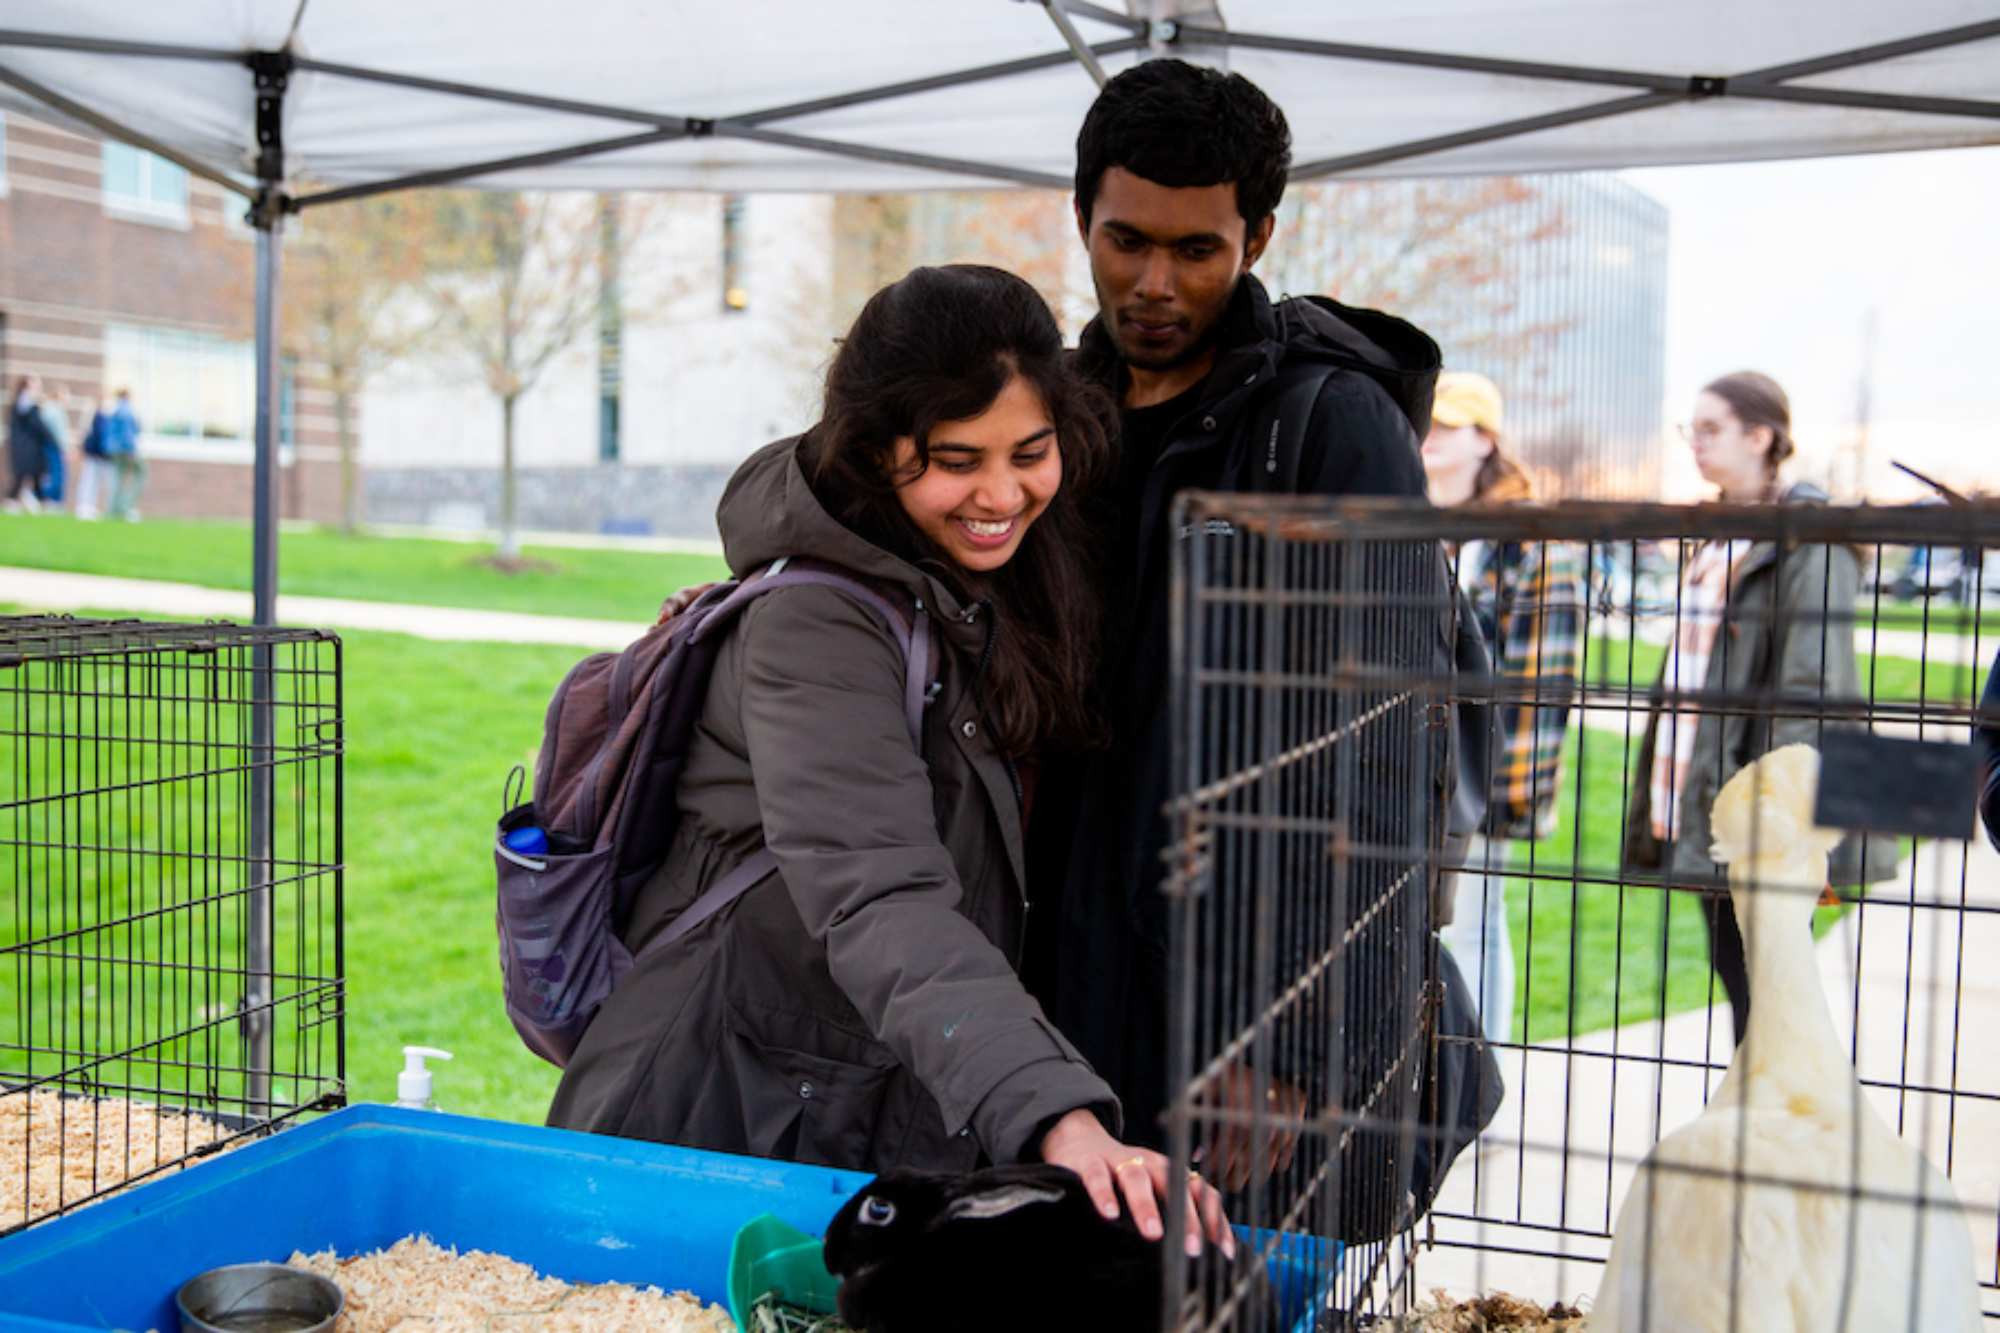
(724, 129)
(103, 124)
(1074, 40)
(271, 71)
(55, 41)
(1083, 9)
(1333, 166)
(482, 93)
(1871, 55)
(1933, 106)
(956, 79)
(1386, 55)
(471, 170)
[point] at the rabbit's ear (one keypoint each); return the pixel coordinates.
(999, 1202)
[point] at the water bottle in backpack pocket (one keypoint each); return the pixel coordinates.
(614, 742)
(560, 956)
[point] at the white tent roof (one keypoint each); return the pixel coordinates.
(732, 96)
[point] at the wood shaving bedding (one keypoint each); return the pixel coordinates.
(1496, 1312)
(57, 1150)
(416, 1286)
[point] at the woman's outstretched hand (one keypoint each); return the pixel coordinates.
(1107, 1167)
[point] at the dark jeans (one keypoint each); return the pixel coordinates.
(25, 479)
(1726, 956)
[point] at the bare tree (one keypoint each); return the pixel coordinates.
(346, 268)
(513, 281)
(1458, 255)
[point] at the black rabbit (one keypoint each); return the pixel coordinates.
(1013, 1248)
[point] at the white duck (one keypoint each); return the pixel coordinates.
(1742, 1222)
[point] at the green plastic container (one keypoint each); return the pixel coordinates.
(772, 1257)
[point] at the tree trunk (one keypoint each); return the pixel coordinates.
(510, 540)
(350, 466)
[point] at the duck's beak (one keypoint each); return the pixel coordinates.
(1828, 898)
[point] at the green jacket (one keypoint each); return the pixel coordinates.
(860, 1008)
(1787, 637)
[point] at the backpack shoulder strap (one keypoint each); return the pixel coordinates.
(1280, 432)
(912, 631)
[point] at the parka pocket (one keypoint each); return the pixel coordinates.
(804, 1107)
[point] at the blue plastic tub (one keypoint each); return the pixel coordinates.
(581, 1207)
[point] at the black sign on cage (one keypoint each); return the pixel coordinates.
(170, 897)
(1466, 937)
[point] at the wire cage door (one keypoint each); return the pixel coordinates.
(1452, 1035)
(170, 897)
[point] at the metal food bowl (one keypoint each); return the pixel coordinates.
(258, 1298)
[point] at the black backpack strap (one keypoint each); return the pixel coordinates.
(1279, 436)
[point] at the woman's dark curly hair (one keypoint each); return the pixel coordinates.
(937, 346)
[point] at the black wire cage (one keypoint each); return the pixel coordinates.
(1455, 1032)
(170, 897)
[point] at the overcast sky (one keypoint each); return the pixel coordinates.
(1774, 265)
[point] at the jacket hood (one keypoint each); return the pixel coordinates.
(1256, 334)
(769, 511)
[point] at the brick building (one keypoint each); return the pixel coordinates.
(118, 269)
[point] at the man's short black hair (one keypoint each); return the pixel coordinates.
(1182, 125)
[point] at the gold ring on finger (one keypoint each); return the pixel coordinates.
(1139, 1162)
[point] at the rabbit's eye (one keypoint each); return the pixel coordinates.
(877, 1213)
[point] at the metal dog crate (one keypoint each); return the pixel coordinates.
(1315, 716)
(170, 897)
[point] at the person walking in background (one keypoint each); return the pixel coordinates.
(1756, 620)
(1529, 598)
(97, 473)
(121, 446)
(55, 447)
(26, 440)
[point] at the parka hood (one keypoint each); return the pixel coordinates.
(769, 511)
(1256, 334)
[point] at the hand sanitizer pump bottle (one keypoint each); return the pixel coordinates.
(413, 1085)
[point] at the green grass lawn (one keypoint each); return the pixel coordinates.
(432, 729)
(1590, 956)
(600, 584)
(1621, 665)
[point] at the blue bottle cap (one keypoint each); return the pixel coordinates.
(529, 841)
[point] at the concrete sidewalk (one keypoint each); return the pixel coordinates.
(43, 590)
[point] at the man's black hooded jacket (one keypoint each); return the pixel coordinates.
(1283, 410)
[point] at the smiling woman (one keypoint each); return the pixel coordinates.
(861, 1007)
(990, 477)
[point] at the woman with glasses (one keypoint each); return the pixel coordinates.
(1755, 619)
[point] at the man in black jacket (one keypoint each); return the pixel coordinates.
(1179, 174)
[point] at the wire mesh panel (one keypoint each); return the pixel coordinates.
(1483, 1021)
(170, 897)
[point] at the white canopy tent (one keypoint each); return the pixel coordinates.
(297, 103)
(363, 96)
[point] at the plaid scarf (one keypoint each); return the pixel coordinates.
(1704, 597)
(1529, 598)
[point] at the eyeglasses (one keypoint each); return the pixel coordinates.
(1700, 430)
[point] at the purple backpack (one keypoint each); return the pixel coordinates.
(614, 743)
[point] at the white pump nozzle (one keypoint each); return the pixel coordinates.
(413, 1085)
